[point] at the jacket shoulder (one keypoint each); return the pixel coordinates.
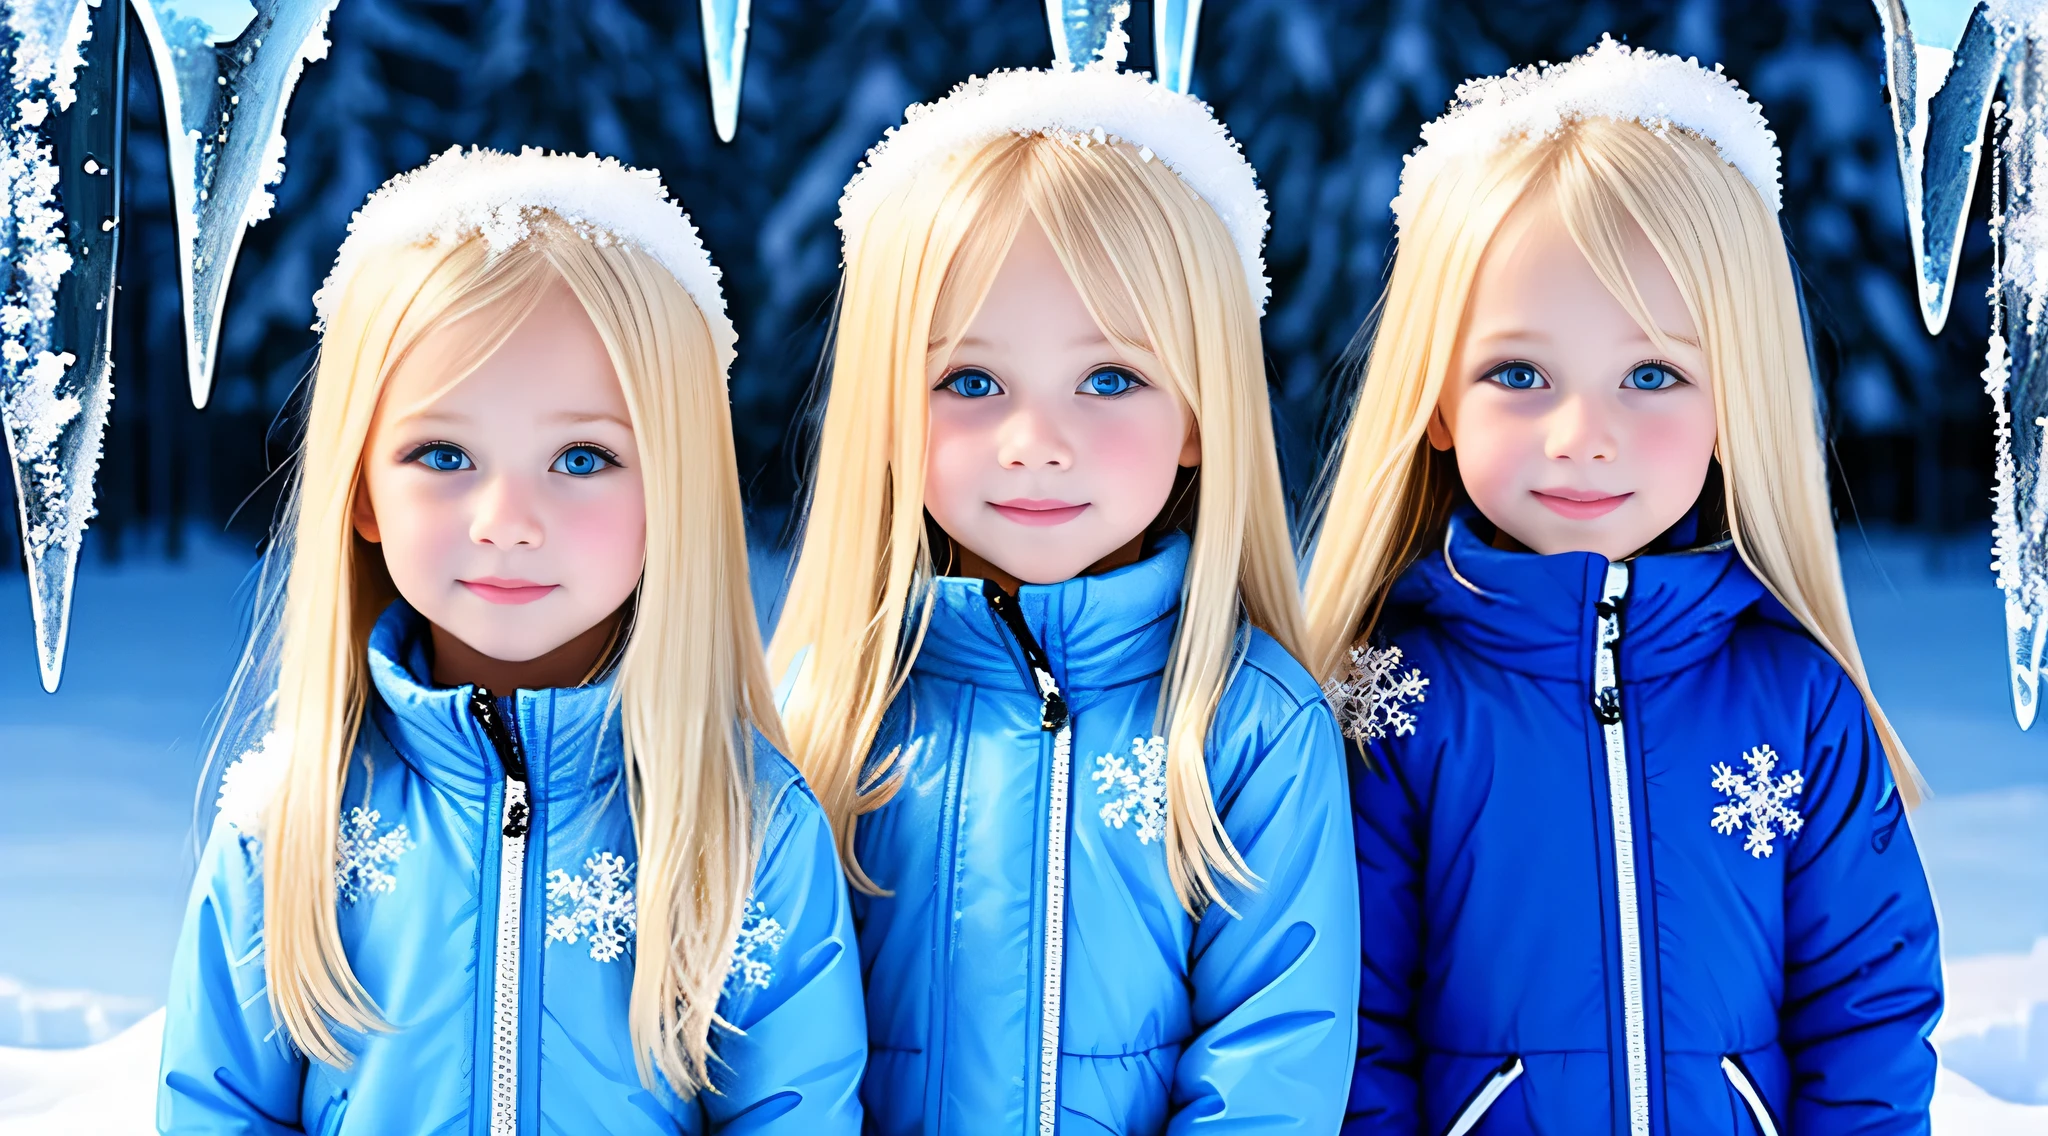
(783, 800)
(1269, 673)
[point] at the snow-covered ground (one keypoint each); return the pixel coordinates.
(96, 825)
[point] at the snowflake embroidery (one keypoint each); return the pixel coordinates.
(1758, 800)
(753, 953)
(1142, 789)
(598, 905)
(363, 859)
(1374, 700)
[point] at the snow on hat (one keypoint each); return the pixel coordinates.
(1095, 104)
(1611, 80)
(492, 193)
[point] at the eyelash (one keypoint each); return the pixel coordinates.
(425, 448)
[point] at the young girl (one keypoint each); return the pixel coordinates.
(1630, 835)
(1041, 622)
(519, 855)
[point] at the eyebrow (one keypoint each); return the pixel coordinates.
(1078, 343)
(565, 417)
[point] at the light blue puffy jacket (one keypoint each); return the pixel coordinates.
(1033, 784)
(424, 871)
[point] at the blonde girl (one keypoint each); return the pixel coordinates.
(519, 854)
(1042, 625)
(1631, 843)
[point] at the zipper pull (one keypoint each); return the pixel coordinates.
(511, 758)
(1052, 706)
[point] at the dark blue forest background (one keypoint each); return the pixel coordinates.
(1326, 97)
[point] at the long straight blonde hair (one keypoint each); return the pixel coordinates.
(1158, 271)
(1389, 498)
(689, 676)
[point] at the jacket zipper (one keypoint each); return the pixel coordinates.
(1607, 708)
(511, 892)
(1738, 1077)
(1475, 1110)
(1054, 719)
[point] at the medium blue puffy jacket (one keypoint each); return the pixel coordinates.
(1677, 897)
(1033, 783)
(422, 893)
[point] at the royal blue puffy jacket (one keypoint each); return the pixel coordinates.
(1631, 861)
(428, 877)
(1032, 969)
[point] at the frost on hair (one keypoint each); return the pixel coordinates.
(495, 195)
(1611, 80)
(1093, 105)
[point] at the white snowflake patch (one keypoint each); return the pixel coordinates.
(363, 858)
(1375, 700)
(1758, 801)
(1140, 789)
(597, 905)
(753, 953)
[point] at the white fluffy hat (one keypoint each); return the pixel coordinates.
(493, 193)
(1092, 104)
(1611, 80)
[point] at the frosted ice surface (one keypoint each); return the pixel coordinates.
(56, 284)
(1088, 32)
(1173, 40)
(725, 60)
(227, 70)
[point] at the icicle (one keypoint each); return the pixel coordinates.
(725, 59)
(1088, 33)
(1173, 40)
(225, 86)
(60, 142)
(1939, 96)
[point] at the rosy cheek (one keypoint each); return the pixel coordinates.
(1497, 452)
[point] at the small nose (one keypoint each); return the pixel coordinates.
(1031, 438)
(505, 515)
(1581, 429)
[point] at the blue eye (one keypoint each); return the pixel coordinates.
(971, 384)
(441, 457)
(1110, 382)
(1518, 376)
(582, 461)
(1651, 377)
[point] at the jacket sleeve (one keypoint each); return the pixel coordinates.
(1388, 825)
(1862, 964)
(227, 1067)
(794, 991)
(1274, 983)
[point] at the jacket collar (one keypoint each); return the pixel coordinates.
(1535, 614)
(570, 735)
(1097, 631)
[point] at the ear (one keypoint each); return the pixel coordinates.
(1191, 449)
(363, 515)
(1438, 431)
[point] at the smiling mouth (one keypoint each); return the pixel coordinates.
(497, 590)
(1032, 511)
(1579, 505)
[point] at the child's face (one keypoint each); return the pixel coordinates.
(509, 506)
(1572, 432)
(1051, 447)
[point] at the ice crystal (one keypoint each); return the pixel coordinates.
(1760, 800)
(363, 857)
(753, 953)
(1140, 789)
(598, 904)
(1375, 699)
(251, 783)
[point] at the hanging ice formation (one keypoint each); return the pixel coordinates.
(725, 58)
(1173, 40)
(1087, 31)
(226, 70)
(1939, 100)
(60, 146)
